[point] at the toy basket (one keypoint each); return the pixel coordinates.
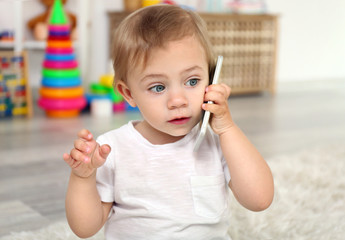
(248, 44)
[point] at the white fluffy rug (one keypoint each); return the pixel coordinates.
(309, 202)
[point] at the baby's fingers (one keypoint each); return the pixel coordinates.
(79, 156)
(70, 161)
(101, 155)
(227, 90)
(217, 93)
(85, 134)
(82, 145)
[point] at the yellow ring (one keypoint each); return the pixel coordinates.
(107, 80)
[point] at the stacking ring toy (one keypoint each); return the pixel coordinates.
(107, 80)
(119, 107)
(59, 44)
(116, 96)
(62, 113)
(61, 82)
(74, 92)
(61, 73)
(57, 28)
(99, 89)
(59, 50)
(59, 38)
(130, 108)
(58, 33)
(62, 104)
(60, 65)
(90, 97)
(59, 57)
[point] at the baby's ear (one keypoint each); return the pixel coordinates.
(124, 90)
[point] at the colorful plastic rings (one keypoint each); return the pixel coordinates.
(58, 33)
(90, 97)
(62, 104)
(57, 28)
(59, 57)
(61, 92)
(62, 113)
(99, 89)
(59, 50)
(60, 65)
(59, 38)
(61, 82)
(59, 44)
(61, 73)
(119, 107)
(107, 80)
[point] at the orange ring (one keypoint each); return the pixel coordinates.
(61, 92)
(59, 44)
(62, 113)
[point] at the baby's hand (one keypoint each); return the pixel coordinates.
(221, 119)
(87, 155)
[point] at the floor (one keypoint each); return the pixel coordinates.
(33, 176)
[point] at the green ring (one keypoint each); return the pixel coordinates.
(61, 73)
(115, 96)
(98, 88)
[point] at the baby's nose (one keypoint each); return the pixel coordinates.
(177, 99)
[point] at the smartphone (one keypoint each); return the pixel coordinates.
(207, 114)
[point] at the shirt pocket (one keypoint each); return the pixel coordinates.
(209, 195)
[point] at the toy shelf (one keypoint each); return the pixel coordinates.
(26, 45)
(248, 44)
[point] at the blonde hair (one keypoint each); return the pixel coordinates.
(153, 27)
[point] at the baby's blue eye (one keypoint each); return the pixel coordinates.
(192, 82)
(157, 88)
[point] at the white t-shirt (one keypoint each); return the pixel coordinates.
(164, 191)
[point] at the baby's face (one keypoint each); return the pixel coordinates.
(170, 90)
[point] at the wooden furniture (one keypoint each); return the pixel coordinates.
(15, 94)
(248, 44)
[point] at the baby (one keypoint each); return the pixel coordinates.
(143, 180)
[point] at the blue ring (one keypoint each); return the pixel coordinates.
(61, 82)
(90, 97)
(59, 57)
(130, 108)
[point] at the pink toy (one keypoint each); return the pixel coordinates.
(59, 28)
(119, 107)
(62, 104)
(60, 64)
(59, 50)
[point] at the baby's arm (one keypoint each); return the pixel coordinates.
(251, 178)
(85, 212)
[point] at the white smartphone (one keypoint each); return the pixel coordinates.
(207, 114)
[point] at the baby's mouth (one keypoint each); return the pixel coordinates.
(179, 121)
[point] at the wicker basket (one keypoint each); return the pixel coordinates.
(248, 44)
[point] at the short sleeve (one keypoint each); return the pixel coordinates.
(105, 176)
